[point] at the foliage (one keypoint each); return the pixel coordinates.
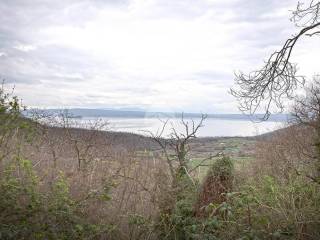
(28, 213)
(27, 209)
(263, 208)
(270, 209)
(222, 167)
(183, 222)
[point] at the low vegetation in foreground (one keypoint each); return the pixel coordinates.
(68, 183)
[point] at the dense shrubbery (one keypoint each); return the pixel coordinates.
(270, 209)
(270, 199)
(28, 213)
(193, 215)
(264, 207)
(29, 210)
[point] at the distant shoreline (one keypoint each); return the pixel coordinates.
(114, 113)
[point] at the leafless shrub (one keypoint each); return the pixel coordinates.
(98, 163)
(285, 153)
(306, 112)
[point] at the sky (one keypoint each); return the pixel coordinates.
(156, 55)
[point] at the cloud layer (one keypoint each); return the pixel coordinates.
(152, 54)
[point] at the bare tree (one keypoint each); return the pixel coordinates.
(176, 147)
(277, 80)
(81, 135)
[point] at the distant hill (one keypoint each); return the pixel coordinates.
(96, 113)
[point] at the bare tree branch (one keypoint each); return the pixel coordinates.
(266, 89)
(177, 147)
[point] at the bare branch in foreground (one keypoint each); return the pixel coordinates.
(267, 88)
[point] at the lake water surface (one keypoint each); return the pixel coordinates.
(212, 127)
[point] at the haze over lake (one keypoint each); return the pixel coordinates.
(212, 127)
(142, 122)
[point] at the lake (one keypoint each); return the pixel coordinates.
(212, 127)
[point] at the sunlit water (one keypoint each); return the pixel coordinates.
(212, 127)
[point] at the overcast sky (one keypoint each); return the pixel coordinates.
(164, 55)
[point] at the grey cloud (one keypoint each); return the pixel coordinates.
(49, 63)
(253, 24)
(21, 19)
(241, 10)
(252, 11)
(213, 77)
(136, 90)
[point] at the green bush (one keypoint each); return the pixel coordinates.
(270, 209)
(27, 213)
